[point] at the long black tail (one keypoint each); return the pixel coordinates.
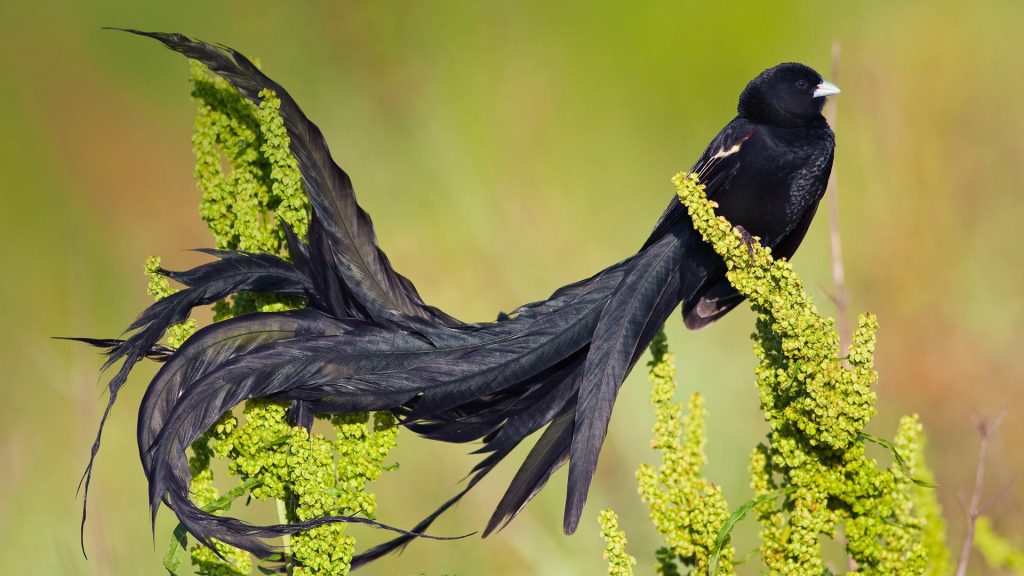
(499, 381)
(367, 342)
(343, 366)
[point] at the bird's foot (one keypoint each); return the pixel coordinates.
(748, 240)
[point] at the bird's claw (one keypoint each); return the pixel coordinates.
(748, 240)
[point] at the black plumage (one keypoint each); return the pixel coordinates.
(367, 341)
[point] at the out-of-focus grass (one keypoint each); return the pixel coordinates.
(505, 149)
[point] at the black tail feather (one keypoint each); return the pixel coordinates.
(479, 472)
(640, 305)
(232, 273)
(351, 242)
(368, 342)
(157, 352)
(547, 456)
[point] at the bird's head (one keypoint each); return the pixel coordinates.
(786, 95)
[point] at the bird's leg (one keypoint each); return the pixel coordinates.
(748, 239)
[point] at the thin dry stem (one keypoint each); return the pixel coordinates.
(986, 428)
(840, 297)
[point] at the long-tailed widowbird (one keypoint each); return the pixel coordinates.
(366, 341)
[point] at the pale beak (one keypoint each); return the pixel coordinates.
(826, 88)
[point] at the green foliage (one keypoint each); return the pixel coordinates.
(159, 289)
(999, 553)
(239, 205)
(811, 476)
(620, 563)
(687, 510)
(910, 443)
(314, 476)
(817, 407)
(251, 184)
(242, 205)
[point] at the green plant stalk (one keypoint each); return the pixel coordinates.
(811, 476)
(620, 563)
(689, 512)
(243, 206)
(817, 409)
(282, 517)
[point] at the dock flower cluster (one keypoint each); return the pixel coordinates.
(812, 476)
(250, 185)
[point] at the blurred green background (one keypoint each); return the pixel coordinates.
(505, 149)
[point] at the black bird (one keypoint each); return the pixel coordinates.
(366, 341)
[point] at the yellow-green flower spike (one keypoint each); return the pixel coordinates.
(924, 503)
(620, 563)
(250, 185)
(232, 561)
(241, 206)
(287, 199)
(811, 476)
(159, 289)
(687, 510)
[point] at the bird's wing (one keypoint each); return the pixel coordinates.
(722, 158)
(721, 297)
(351, 245)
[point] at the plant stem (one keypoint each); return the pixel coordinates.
(286, 540)
(985, 430)
(840, 297)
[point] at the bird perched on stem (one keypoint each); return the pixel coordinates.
(366, 341)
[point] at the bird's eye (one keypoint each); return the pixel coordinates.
(801, 84)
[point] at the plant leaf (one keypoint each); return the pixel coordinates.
(899, 459)
(726, 530)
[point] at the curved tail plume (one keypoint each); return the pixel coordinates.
(366, 341)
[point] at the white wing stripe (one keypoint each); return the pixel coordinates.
(722, 152)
